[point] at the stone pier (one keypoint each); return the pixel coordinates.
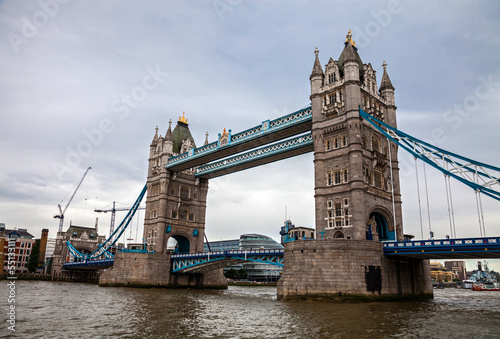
(350, 270)
(153, 270)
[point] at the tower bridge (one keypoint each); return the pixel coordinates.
(359, 252)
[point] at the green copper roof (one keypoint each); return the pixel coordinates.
(181, 132)
(350, 54)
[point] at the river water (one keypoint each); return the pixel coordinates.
(74, 310)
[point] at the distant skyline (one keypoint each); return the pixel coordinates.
(86, 83)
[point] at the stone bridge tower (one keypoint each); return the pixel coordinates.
(175, 208)
(352, 169)
(176, 202)
(357, 194)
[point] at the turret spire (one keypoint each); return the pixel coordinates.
(206, 139)
(386, 82)
(168, 135)
(317, 69)
(155, 138)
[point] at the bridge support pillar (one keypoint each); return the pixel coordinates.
(153, 270)
(350, 270)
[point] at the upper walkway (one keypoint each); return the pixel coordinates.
(226, 145)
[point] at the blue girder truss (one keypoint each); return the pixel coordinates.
(268, 128)
(206, 261)
(479, 176)
(103, 250)
(89, 264)
(260, 156)
(445, 248)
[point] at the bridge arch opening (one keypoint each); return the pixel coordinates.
(178, 244)
(380, 221)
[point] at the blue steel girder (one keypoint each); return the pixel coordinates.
(479, 176)
(104, 248)
(466, 248)
(265, 155)
(207, 261)
(88, 265)
(269, 131)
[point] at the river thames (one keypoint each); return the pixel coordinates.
(73, 310)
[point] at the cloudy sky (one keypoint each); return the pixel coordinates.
(85, 83)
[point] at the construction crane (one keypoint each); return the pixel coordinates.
(60, 216)
(113, 212)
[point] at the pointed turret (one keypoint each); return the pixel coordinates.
(387, 92)
(317, 69)
(317, 76)
(386, 82)
(168, 135)
(206, 139)
(350, 55)
(155, 138)
(181, 135)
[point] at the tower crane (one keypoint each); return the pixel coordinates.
(113, 212)
(60, 216)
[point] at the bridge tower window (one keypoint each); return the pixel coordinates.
(375, 144)
(378, 179)
(184, 192)
(337, 177)
(346, 176)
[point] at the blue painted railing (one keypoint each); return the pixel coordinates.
(465, 246)
(193, 261)
(102, 263)
(265, 152)
(267, 127)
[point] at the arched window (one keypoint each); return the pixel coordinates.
(338, 235)
(184, 192)
(375, 144)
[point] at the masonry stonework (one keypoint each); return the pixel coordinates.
(355, 270)
(153, 270)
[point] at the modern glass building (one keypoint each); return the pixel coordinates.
(222, 245)
(256, 271)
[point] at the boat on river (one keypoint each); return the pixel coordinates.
(485, 287)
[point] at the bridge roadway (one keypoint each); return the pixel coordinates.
(466, 248)
(196, 262)
(207, 261)
(268, 132)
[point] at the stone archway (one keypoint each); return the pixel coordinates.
(178, 244)
(338, 235)
(380, 225)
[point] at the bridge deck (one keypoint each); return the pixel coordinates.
(261, 156)
(270, 131)
(467, 248)
(206, 261)
(89, 265)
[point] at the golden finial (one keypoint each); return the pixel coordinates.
(224, 132)
(348, 38)
(183, 118)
